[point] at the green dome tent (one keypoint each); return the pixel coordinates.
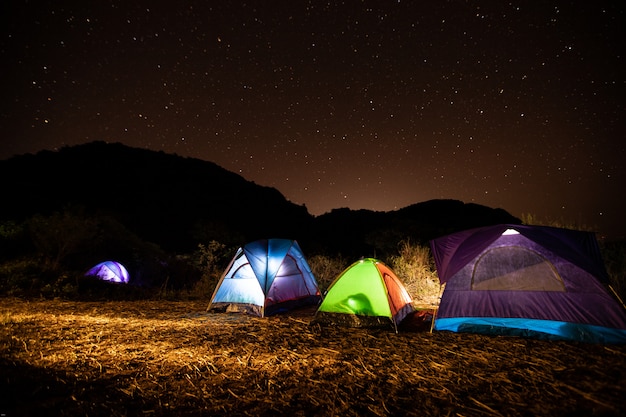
(366, 294)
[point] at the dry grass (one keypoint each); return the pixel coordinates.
(173, 358)
(416, 267)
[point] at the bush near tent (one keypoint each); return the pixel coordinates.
(266, 277)
(366, 294)
(538, 281)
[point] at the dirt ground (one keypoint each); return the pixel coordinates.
(161, 358)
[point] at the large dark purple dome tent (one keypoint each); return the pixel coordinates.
(538, 281)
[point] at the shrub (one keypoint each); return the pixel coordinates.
(61, 234)
(614, 256)
(211, 260)
(326, 269)
(415, 267)
(21, 277)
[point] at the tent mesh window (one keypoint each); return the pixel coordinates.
(514, 268)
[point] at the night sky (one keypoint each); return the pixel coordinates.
(361, 104)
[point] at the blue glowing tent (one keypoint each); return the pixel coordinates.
(266, 277)
(524, 280)
(109, 271)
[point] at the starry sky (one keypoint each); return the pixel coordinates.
(361, 104)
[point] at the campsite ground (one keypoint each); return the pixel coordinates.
(159, 358)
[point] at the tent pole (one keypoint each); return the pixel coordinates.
(617, 296)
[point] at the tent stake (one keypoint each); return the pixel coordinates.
(436, 309)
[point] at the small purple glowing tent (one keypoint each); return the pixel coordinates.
(109, 271)
(536, 281)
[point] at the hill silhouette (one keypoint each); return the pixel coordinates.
(177, 202)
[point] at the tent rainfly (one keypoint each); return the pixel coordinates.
(366, 294)
(537, 281)
(266, 277)
(109, 271)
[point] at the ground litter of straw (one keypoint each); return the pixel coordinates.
(158, 358)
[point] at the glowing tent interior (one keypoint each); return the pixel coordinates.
(266, 277)
(110, 271)
(366, 294)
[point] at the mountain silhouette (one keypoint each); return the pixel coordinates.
(177, 202)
